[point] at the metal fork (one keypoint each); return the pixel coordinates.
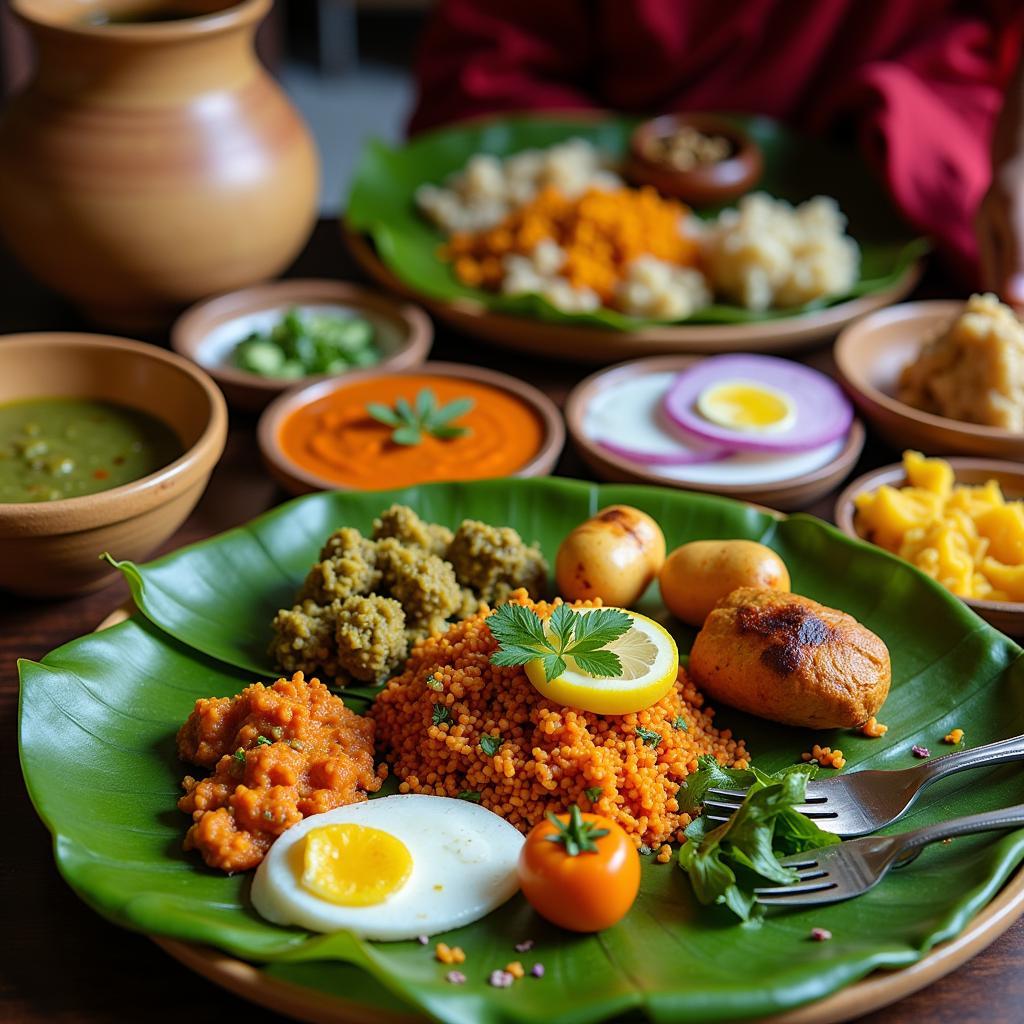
(863, 802)
(848, 869)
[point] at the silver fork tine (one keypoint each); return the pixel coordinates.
(811, 810)
(735, 796)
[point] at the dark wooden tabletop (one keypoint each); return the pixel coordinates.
(63, 963)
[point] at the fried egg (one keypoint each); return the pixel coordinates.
(390, 869)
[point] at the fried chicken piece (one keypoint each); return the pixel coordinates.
(370, 636)
(422, 583)
(405, 526)
(789, 659)
(494, 560)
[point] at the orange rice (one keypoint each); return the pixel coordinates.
(549, 755)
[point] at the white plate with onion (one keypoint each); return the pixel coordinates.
(753, 427)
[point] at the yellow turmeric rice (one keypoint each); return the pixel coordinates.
(453, 724)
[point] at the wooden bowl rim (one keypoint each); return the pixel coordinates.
(539, 465)
(895, 475)
(852, 375)
(584, 392)
(190, 330)
(137, 496)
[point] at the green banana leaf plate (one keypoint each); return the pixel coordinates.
(381, 205)
(98, 718)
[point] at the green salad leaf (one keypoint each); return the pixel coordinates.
(725, 863)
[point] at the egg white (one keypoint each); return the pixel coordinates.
(464, 866)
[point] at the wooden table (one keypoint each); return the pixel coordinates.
(62, 962)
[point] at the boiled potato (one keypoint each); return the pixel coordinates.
(613, 556)
(698, 575)
(789, 659)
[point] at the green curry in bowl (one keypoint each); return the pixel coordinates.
(54, 448)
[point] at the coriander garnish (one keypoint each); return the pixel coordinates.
(594, 793)
(680, 723)
(471, 795)
(433, 683)
(489, 744)
(240, 755)
(440, 714)
(649, 736)
(582, 636)
(575, 834)
(262, 741)
(411, 422)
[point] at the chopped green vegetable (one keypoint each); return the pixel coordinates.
(240, 755)
(471, 795)
(440, 714)
(262, 741)
(594, 793)
(489, 744)
(649, 736)
(680, 723)
(575, 834)
(427, 417)
(582, 636)
(726, 863)
(433, 683)
(305, 343)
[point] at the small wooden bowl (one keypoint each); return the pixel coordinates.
(869, 355)
(208, 332)
(300, 481)
(1007, 616)
(707, 184)
(53, 548)
(788, 494)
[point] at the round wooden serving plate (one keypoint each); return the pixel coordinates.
(588, 344)
(872, 993)
(792, 493)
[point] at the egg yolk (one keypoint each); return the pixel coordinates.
(352, 865)
(746, 405)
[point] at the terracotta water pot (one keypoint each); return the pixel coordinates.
(151, 163)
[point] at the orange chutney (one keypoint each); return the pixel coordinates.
(335, 438)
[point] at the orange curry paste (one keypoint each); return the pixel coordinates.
(279, 753)
(335, 438)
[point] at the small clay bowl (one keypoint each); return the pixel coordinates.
(53, 548)
(869, 356)
(707, 184)
(208, 332)
(790, 493)
(298, 480)
(1007, 616)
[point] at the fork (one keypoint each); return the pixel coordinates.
(865, 801)
(848, 869)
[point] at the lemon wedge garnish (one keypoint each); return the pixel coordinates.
(650, 664)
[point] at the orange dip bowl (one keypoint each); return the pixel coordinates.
(319, 436)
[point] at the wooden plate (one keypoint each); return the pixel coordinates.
(793, 493)
(1007, 616)
(588, 344)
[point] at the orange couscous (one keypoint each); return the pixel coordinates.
(873, 728)
(825, 756)
(488, 735)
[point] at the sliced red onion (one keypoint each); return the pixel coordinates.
(823, 413)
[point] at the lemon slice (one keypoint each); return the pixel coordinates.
(650, 664)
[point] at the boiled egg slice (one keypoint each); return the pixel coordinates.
(747, 406)
(393, 868)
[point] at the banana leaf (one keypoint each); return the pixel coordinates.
(381, 205)
(98, 718)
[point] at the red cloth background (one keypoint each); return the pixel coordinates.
(922, 79)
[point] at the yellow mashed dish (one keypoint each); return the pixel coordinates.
(974, 370)
(970, 539)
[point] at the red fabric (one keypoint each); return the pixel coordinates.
(922, 79)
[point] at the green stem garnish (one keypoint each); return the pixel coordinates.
(649, 736)
(576, 834)
(490, 744)
(411, 422)
(581, 636)
(440, 714)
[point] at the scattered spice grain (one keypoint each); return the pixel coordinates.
(873, 728)
(953, 737)
(825, 756)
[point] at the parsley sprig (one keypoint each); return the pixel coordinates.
(582, 636)
(412, 420)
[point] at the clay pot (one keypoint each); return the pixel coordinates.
(152, 163)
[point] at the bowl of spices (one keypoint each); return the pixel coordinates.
(106, 445)
(260, 341)
(371, 429)
(703, 159)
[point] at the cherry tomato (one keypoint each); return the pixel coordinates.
(580, 871)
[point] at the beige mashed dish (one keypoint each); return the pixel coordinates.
(974, 370)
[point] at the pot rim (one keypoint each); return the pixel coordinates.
(37, 14)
